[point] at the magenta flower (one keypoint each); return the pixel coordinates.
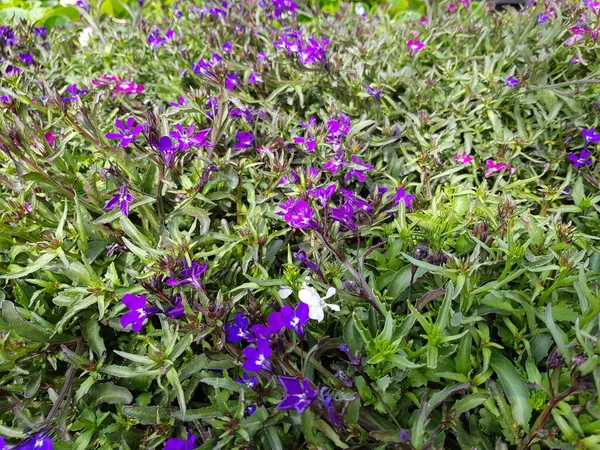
(298, 214)
(74, 94)
(128, 132)
(138, 311)
(245, 139)
(511, 82)
(402, 196)
(298, 394)
(323, 194)
(49, 136)
(314, 52)
(345, 215)
(590, 136)
(463, 158)
(360, 171)
(257, 358)
(129, 87)
(122, 200)
(583, 159)
(254, 77)
(295, 319)
(493, 167)
(189, 275)
(180, 444)
(308, 143)
(232, 80)
(414, 46)
(186, 137)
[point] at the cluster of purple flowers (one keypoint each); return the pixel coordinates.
(119, 85)
(156, 39)
(308, 51)
(181, 139)
(39, 441)
(7, 37)
(590, 136)
(74, 93)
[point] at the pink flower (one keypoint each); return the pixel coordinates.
(451, 7)
(414, 46)
(493, 167)
(463, 158)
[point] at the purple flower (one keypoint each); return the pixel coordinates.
(249, 381)
(345, 215)
(247, 113)
(129, 87)
(493, 167)
(189, 275)
(338, 128)
(303, 258)
(227, 47)
(315, 51)
(583, 159)
(186, 138)
(40, 31)
(361, 205)
(128, 132)
(254, 77)
(232, 81)
(292, 178)
(359, 173)
(311, 123)
(373, 92)
(204, 67)
(12, 70)
(180, 444)
(298, 214)
(307, 143)
(170, 34)
(404, 436)
(283, 6)
(181, 101)
(7, 37)
(6, 98)
(122, 199)
(414, 46)
(511, 82)
(463, 158)
(250, 410)
(323, 194)
(257, 358)
(155, 39)
(590, 136)
(38, 441)
(3, 445)
(245, 139)
(238, 330)
(295, 319)
(75, 94)
(27, 58)
(334, 165)
(166, 148)
(177, 310)
(298, 394)
(353, 360)
(327, 400)
(138, 311)
(543, 17)
(402, 196)
(273, 327)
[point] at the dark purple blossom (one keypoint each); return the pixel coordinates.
(6, 98)
(328, 403)
(249, 381)
(373, 92)
(250, 410)
(345, 215)
(583, 159)
(312, 122)
(74, 94)
(292, 178)
(227, 47)
(257, 358)
(138, 311)
(254, 77)
(177, 310)
(180, 444)
(205, 67)
(307, 143)
(273, 327)
(282, 6)
(298, 394)
(167, 150)
(170, 34)
(360, 170)
(238, 330)
(334, 165)
(295, 319)
(12, 71)
(543, 17)
(7, 37)
(290, 41)
(405, 436)
(590, 136)
(122, 199)
(232, 80)
(181, 101)
(298, 214)
(353, 360)
(301, 256)
(245, 139)
(189, 275)
(402, 196)
(40, 31)
(338, 128)
(187, 137)
(26, 58)
(249, 114)
(511, 82)
(3, 445)
(128, 132)
(315, 51)
(38, 441)
(155, 39)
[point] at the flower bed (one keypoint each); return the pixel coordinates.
(260, 225)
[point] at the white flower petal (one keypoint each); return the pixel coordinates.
(285, 291)
(316, 313)
(307, 295)
(330, 293)
(332, 306)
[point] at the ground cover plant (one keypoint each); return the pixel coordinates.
(265, 225)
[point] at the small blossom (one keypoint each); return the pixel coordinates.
(177, 310)
(373, 92)
(583, 159)
(49, 136)
(138, 313)
(232, 80)
(74, 94)
(180, 444)
(302, 257)
(244, 140)
(414, 46)
(128, 132)
(166, 148)
(249, 381)
(405, 436)
(254, 77)
(273, 327)
(590, 136)
(257, 358)
(40, 31)
(345, 215)
(328, 402)
(493, 167)
(155, 39)
(238, 330)
(26, 58)
(543, 17)
(227, 47)
(463, 158)
(181, 101)
(27, 208)
(402, 196)
(452, 7)
(352, 359)
(129, 87)
(315, 302)
(511, 82)
(295, 319)
(298, 214)
(292, 178)
(250, 410)
(189, 275)
(298, 394)
(122, 199)
(307, 143)
(186, 138)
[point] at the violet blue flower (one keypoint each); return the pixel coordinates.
(138, 311)
(180, 444)
(315, 51)
(166, 148)
(373, 92)
(181, 101)
(12, 71)
(405, 435)
(298, 214)
(295, 319)
(402, 196)
(323, 194)
(249, 381)
(308, 143)
(583, 159)
(359, 173)
(493, 167)
(463, 158)
(238, 330)
(311, 123)
(292, 178)
(301, 256)
(227, 47)
(327, 399)
(6, 98)
(232, 80)
(27, 58)
(177, 310)
(298, 394)
(40, 31)
(74, 94)
(352, 359)
(7, 36)
(283, 6)
(273, 327)
(122, 199)
(186, 137)
(334, 165)
(414, 46)
(155, 39)
(345, 215)
(245, 139)
(254, 77)
(338, 128)
(590, 136)
(189, 275)
(128, 132)
(257, 358)
(3, 445)
(543, 17)
(250, 410)
(511, 82)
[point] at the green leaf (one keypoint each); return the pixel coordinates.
(111, 394)
(198, 414)
(42, 261)
(147, 415)
(173, 378)
(514, 387)
(90, 330)
(470, 402)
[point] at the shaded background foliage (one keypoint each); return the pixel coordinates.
(488, 286)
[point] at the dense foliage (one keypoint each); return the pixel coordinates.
(260, 225)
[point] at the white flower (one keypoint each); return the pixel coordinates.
(85, 36)
(316, 304)
(285, 291)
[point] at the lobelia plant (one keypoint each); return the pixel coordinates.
(275, 225)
